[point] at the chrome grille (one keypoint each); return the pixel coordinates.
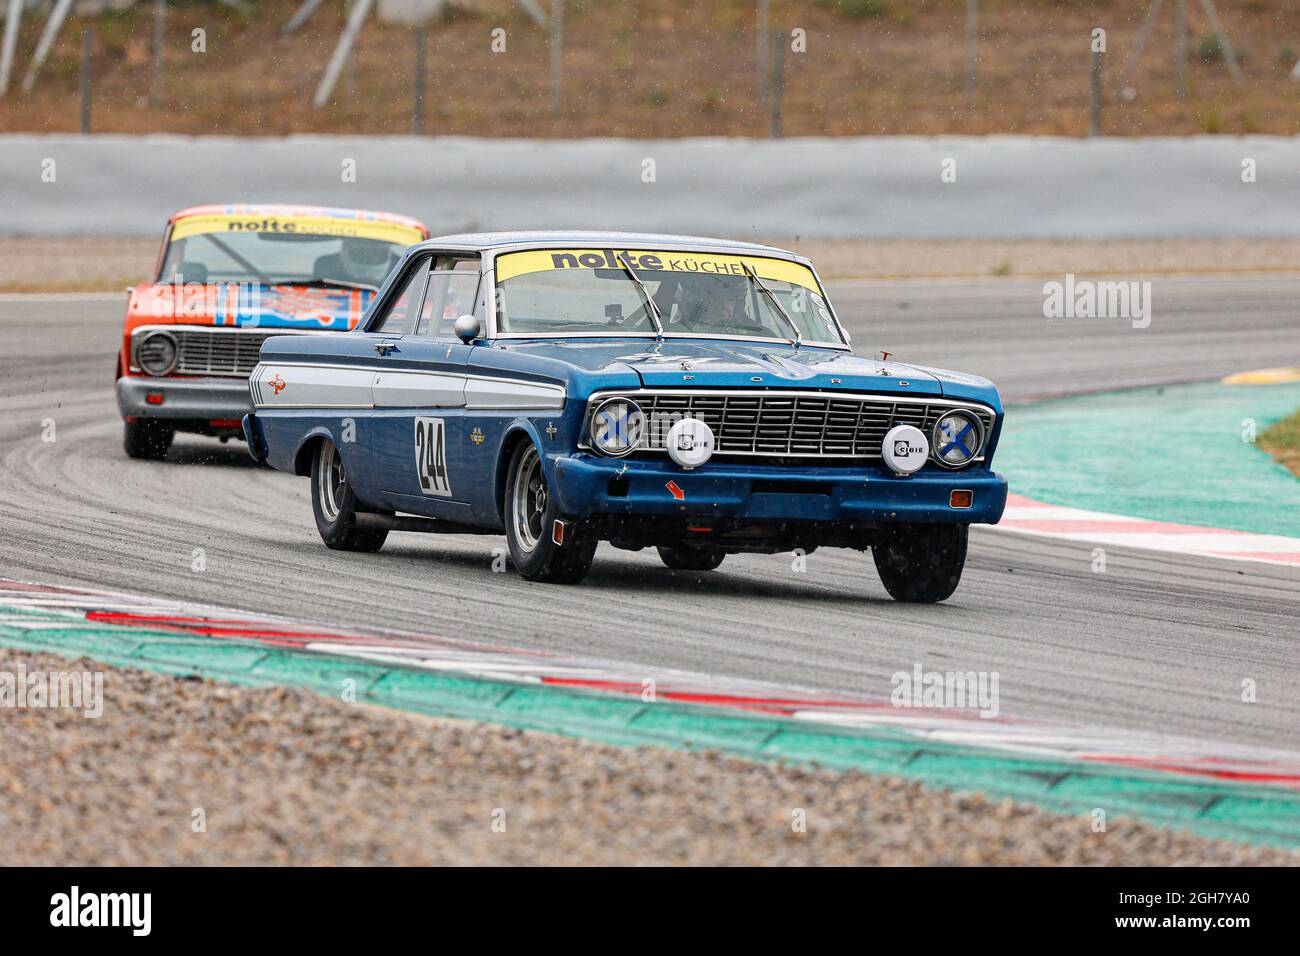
(221, 352)
(789, 424)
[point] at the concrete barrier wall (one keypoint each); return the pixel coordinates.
(876, 187)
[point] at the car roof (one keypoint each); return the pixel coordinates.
(293, 210)
(495, 241)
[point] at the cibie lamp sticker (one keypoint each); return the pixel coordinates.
(690, 442)
(905, 449)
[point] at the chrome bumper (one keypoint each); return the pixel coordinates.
(193, 398)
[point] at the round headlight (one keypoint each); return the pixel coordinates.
(958, 437)
(617, 427)
(157, 353)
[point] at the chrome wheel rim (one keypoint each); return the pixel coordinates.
(332, 481)
(529, 505)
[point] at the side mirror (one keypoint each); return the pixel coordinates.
(468, 329)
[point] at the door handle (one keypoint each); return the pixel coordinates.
(383, 348)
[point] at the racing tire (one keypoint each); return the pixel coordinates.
(922, 563)
(335, 505)
(529, 512)
(689, 557)
(147, 439)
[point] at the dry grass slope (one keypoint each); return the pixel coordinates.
(285, 776)
(675, 68)
(1282, 441)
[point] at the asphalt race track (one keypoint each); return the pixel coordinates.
(1159, 643)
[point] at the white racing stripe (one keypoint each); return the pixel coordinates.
(289, 385)
(305, 385)
(406, 389)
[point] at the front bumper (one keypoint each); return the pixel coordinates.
(208, 399)
(585, 486)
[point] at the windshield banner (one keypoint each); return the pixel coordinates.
(647, 262)
(296, 225)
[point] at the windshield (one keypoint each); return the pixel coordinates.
(277, 258)
(559, 292)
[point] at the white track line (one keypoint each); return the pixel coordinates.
(1026, 516)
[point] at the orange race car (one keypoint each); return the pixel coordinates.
(227, 278)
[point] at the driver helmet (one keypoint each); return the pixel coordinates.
(725, 300)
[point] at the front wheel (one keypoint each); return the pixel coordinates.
(530, 523)
(921, 563)
(147, 438)
(335, 504)
(689, 557)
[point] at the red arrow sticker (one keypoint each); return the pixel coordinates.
(676, 491)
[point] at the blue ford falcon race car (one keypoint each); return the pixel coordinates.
(697, 396)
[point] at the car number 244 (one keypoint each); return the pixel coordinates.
(431, 457)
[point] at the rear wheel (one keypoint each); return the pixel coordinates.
(530, 521)
(335, 504)
(147, 438)
(689, 557)
(921, 563)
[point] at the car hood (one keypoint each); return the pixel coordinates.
(248, 306)
(715, 363)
